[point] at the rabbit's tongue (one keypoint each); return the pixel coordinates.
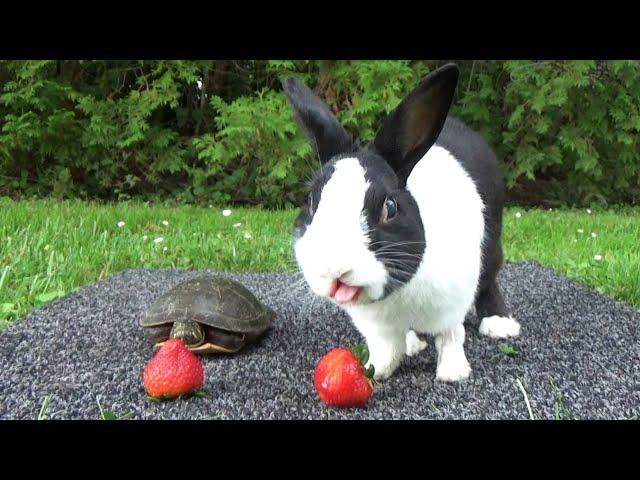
(346, 293)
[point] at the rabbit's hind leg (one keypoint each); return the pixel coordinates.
(495, 318)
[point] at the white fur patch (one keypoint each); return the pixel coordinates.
(386, 342)
(414, 344)
(335, 243)
(452, 362)
(499, 327)
(453, 366)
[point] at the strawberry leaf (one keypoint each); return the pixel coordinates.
(196, 393)
(200, 393)
(361, 352)
(370, 371)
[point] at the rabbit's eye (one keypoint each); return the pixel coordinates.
(310, 202)
(389, 209)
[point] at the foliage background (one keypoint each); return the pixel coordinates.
(222, 132)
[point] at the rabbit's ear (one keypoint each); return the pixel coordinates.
(410, 130)
(325, 133)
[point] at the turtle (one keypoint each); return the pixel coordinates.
(209, 314)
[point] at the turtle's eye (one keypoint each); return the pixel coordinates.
(310, 202)
(389, 210)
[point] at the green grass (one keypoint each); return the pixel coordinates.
(560, 409)
(526, 398)
(42, 415)
(107, 415)
(553, 239)
(507, 350)
(48, 248)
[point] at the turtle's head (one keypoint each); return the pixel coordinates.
(191, 333)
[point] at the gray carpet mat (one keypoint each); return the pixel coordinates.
(578, 357)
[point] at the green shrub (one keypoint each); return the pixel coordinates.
(571, 125)
(253, 158)
(566, 131)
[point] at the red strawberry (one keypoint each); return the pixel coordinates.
(341, 380)
(174, 371)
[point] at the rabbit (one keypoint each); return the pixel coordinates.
(404, 234)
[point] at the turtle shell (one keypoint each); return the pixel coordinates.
(216, 302)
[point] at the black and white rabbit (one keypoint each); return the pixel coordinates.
(404, 234)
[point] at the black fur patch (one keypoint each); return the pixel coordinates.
(399, 244)
(316, 184)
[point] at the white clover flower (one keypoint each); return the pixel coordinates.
(144, 237)
(236, 225)
(518, 214)
(551, 209)
(580, 231)
(158, 240)
(247, 235)
(165, 249)
(226, 212)
(210, 206)
(593, 235)
(589, 211)
(597, 258)
(165, 223)
(120, 224)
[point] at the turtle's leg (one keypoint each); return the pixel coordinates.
(157, 334)
(221, 341)
(191, 333)
(231, 341)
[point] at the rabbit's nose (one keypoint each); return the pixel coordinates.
(346, 276)
(338, 274)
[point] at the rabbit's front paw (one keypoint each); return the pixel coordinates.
(452, 365)
(414, 344)
(383, 371)
(384, 360)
